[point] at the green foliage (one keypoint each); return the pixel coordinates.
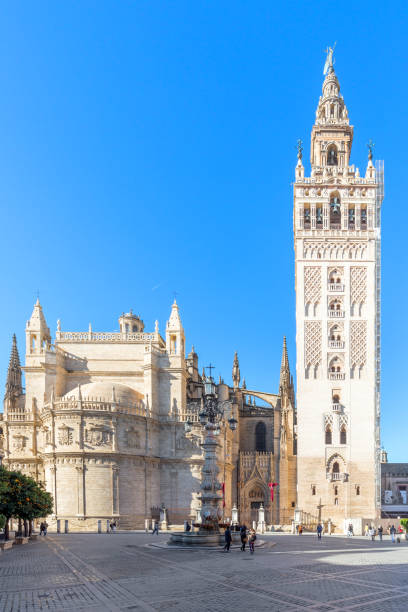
(22, 497)
(404, 524)
(2, 521)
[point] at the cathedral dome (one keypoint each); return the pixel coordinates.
(106, 391)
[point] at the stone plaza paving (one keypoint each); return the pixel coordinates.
(123, 571)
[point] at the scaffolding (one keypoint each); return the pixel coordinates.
(379, 167)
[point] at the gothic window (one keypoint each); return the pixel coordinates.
(336, 501)
(343, 435)
(319, 216)
(313, 490)
(260, 437)
(306, 214)
(336, 468)
(328, 435)
(135, 328)
(332, 155)
(351, 217)
(357, 490)
(127, 328)
(335, 212)
(363, 218)
(336, 490)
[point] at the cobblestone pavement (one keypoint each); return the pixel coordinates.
(123, 571)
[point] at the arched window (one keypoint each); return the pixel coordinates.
(335, 211)
(336, 490)
(328, 435)
(260, 437)
(336, 501)
(332, 155)
(135, 328)
(336, 468)
(343, 435)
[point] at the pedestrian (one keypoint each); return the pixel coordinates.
(350, 532)
(392, 533)
(114, 526)
(228, 538)
(380, 532)
(372, 533)
(297, 529)
(300, 530)
(252, 538)
(155, 528)
(319, 530)
(244, 538)
(188, 526)
(42, 529)
(366, 530)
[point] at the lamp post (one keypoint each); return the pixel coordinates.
(211, 416)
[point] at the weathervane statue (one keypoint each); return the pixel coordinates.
(328, 65)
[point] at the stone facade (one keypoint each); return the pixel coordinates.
(102, 424)
(337, 259)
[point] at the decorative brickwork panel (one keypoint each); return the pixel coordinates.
(343, 420)
(358, 343)
(313, 343)
(358, 285)
(313, 285)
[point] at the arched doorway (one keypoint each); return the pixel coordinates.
(256, 499)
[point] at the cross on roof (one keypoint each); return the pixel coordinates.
(210, 367)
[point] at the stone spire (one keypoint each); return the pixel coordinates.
(236, 374)
(13, 384)
(284, 381)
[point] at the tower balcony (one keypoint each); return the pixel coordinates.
(336, 314)
(337, 376)
(336, 476)
(335, 287)
(336, 344)
(336, 407)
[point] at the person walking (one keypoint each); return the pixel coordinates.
(366, 530)
(350, 532)
(319, 530)
(244, 539)
(300, 531)
(42, 529)
(380, 532)
(392, 533)
(372, 533)
(228, 538)
(188, 526)
(155, 528)
(252, 538)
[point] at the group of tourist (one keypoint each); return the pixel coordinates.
(371, 532)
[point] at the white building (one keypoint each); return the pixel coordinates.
(337, 253)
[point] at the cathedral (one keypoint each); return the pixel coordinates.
(102, 423)
(109, 421)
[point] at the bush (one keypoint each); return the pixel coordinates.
(404, 524)
(2, 521)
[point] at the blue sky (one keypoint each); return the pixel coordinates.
(149, 147)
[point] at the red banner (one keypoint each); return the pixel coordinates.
(271, 486)
(223, 494)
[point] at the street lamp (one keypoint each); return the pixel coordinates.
(211, 417)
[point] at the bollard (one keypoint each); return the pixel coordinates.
(99, 526)
(58, 526)
(66, 526)
(147, 525)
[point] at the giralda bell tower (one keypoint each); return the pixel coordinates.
(337, 225)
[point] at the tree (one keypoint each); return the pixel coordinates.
(23, 498)
(404, 524)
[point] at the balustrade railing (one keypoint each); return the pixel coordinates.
(336, 407)
(336, 287)
(336, 314)
(106, 337)
(337, 375)
(336, 344)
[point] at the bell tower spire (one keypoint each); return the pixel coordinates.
(332, 134)
(236, 374)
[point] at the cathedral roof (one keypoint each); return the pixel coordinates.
(108, 391)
